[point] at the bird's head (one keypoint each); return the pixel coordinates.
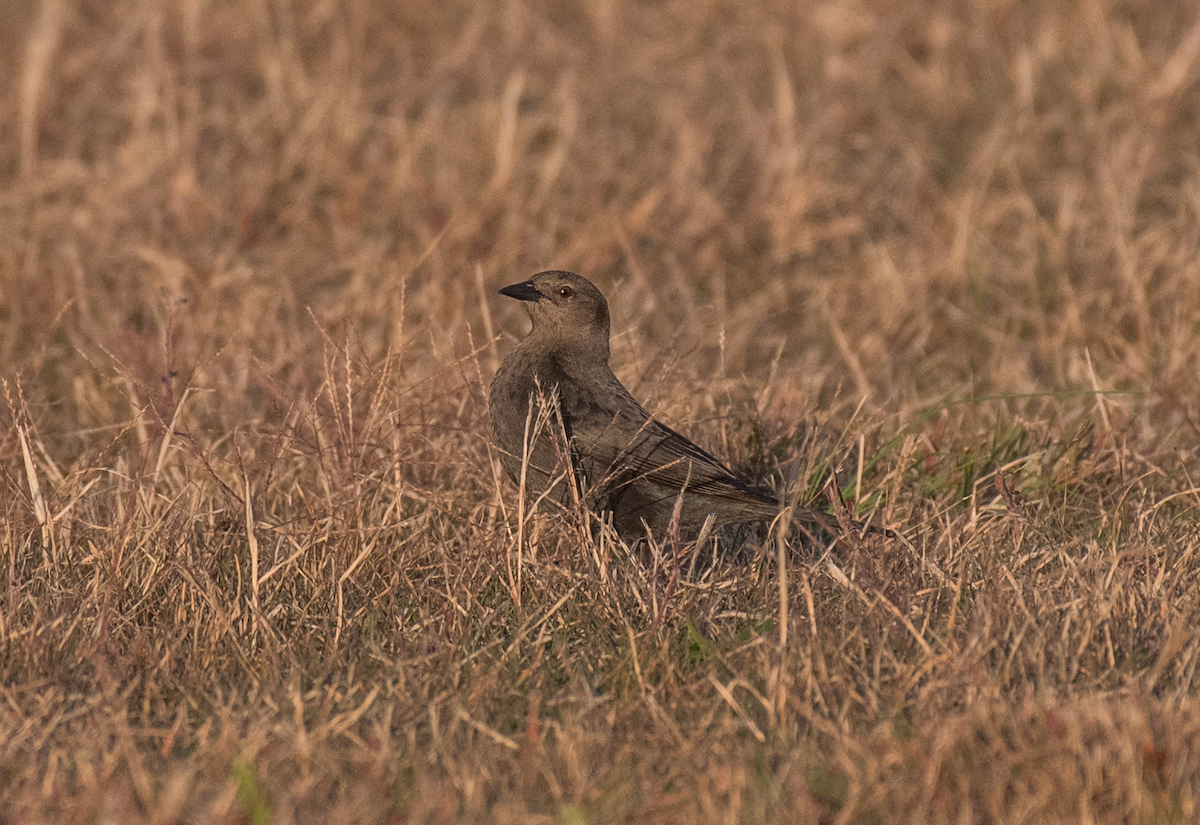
(568, 311)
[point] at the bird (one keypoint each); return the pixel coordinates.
(564, 423)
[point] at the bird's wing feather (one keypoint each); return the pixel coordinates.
(625, 445)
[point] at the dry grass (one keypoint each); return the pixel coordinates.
(258, 563)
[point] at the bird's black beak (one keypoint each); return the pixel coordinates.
(524, 291)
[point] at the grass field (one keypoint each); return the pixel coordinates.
(258, 562)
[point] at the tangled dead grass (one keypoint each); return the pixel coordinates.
(259, 562)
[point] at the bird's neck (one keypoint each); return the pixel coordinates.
(574, 357)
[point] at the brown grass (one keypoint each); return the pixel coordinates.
(258, 560)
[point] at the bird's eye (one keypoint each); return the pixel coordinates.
(566, 292)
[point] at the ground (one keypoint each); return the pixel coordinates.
(935, 265)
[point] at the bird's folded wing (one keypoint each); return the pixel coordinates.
(629, 447)
(674, 461)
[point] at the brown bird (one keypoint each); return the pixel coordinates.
(621, 459)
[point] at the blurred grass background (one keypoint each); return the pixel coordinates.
(259, 563)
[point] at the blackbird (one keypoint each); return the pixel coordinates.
(621, 459)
